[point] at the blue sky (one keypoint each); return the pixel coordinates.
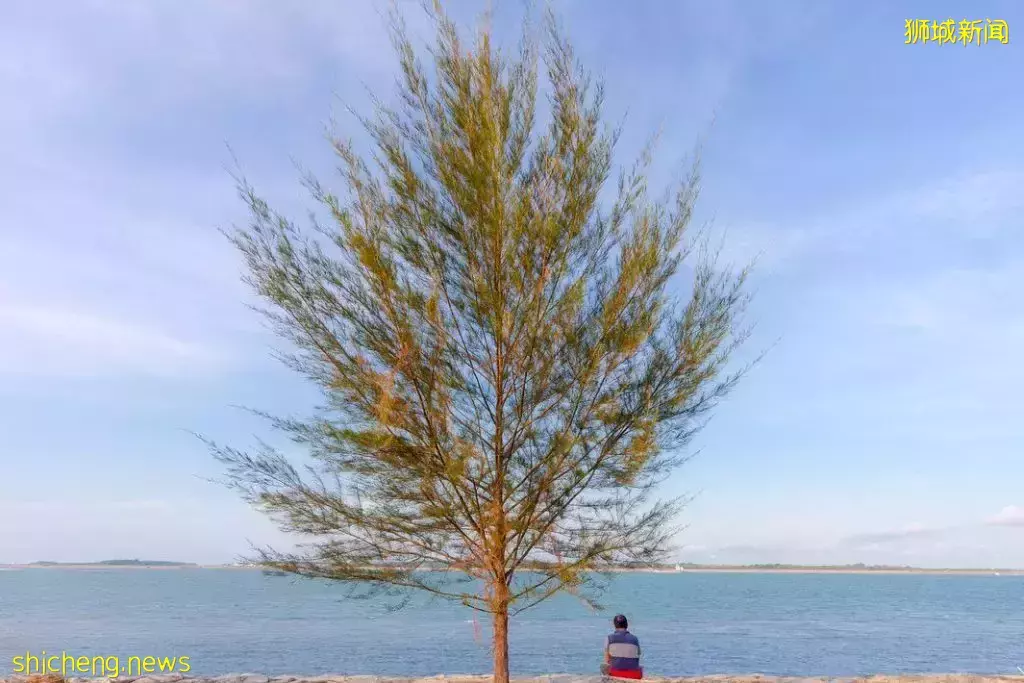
(879, 183)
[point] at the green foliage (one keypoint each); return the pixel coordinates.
(507, 375)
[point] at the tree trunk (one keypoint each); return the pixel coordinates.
(499, 607)
(501, 644)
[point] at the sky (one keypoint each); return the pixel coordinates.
(877, 184)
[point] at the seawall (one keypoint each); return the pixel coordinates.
(553, 678)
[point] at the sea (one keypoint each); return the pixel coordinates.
(231, 621)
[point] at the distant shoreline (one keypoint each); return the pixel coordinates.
(722, 569)
(837, 570)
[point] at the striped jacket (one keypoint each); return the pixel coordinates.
(624, 651)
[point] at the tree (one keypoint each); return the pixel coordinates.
(506, 374)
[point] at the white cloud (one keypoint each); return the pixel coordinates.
(764, 244)
(693, 548)
(979, 204)
(91, 529)
(161, 51)
(122, 293)
(83, 506)
(878, 539)
(971, 200)
(1011, 515)
(920, 323)
(49, 341)
(971, 542)
(109, 258)
(957, 298)
(969, 545)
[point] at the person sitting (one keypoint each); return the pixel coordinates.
(622, 652)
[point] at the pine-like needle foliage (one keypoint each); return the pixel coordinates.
(506, 373)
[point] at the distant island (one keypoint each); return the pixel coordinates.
(858, 568)
(115, 563)
(680, 567)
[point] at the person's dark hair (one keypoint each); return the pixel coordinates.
(620, 621)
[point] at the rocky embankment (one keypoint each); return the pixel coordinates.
(554, 678)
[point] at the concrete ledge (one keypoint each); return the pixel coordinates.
(551, 678)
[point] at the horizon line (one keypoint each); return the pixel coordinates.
(668, 567)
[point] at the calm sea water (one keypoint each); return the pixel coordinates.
(689, 624)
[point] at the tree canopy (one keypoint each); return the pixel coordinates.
(511, 358)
